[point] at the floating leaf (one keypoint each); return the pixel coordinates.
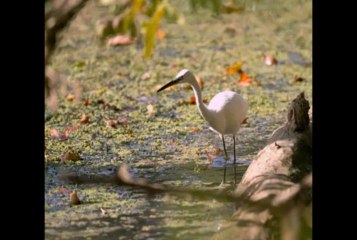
(146, 76)
(235, 68)
(70, 97)
(86, 102)
(245, 80)
(195, 129)
(150, 109)
(103, 211)
(73, 198)
(64, 191)
(120, 40)
(84, 119)
(270, 60)
(299, 79)
(110, 123)
(54, 133)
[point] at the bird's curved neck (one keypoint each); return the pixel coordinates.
(198, 95)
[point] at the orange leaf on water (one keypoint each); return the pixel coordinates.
(235, 68)
(70, 97)
(192, 100)
(55, 134)
(195, 129)
(86, 102)
(73, 198)
(110, 123)
(120, 40)
(84, 119)
(63, 190)
(150, 109)
(245, 80)
(299, 79)
(270, 60)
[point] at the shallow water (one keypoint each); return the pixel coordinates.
(164, 149)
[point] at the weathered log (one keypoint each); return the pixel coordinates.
(272, 180)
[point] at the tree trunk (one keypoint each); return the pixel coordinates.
(271, 182)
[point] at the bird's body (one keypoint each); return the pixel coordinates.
(224, 113)
(229, 110)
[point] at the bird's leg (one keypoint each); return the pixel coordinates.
(234, 162)
(225, 159)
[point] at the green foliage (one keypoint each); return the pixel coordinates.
(143, 18)
(151, 30)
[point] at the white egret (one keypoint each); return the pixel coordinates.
(224, 113)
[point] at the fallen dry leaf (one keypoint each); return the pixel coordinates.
(299, 79)
(73, 198)
(122, 120)
(70, 155)
(70, 97)
(270, 60)
(84, 119)
(160, 34)
(86, 102)
(150, 109)
(195, 129)
(120, 40)
(110, 123)
(146, 76)
(63, 190)
(104, 212)
(245, 80)
(235, 68)
(55, 134)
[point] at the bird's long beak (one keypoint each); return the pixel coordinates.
(173, 82)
